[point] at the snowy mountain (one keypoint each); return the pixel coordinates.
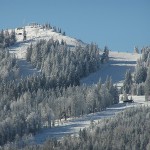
(37, 32)
(34, 106)
(118, 60)
(34, 33)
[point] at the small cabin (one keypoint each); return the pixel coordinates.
(19, 28)
(128, 101)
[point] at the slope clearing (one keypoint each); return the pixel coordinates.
(118, 64)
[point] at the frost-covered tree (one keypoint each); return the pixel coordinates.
(29, 53)
(140, 72)
(2, 38)
(34, 103)
(12, 37)
(147, 86)
(105, 55)
(136, 50)
(7, 38)
(56, 60)
(8, 65)
(24, 34)
(127, 82)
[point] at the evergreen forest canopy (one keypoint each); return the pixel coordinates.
(9, 69)
(7, 38)
(139, 83)
(65, 66)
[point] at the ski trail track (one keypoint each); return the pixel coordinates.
(19, 50)
(116, 68)
(73, 126)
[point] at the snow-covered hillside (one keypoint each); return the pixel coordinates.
(116, 68)
(38, 32)
(118, 64)
(35, 33)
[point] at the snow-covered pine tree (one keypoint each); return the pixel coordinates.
(24, 34)
(127, 82)
(147, 86)
(136, 50)
(140, 72)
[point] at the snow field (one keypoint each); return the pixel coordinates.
(116, 68)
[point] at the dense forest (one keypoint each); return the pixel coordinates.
(139, 82)
(30, 105)
(7, 38)
(131, 132)
(65, 66)
(8, 65)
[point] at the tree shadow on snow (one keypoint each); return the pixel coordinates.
(114, 69)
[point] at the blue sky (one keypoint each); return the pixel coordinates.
(119, 24)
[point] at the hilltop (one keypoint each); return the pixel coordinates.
(36, 32)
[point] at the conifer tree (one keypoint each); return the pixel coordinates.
(136, 50)
(127, 82)
(24, 34)
(147, 86)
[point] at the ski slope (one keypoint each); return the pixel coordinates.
(73, 125)
(119, 63)
(19, 50)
